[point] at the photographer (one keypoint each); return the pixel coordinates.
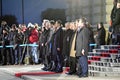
(5, 51)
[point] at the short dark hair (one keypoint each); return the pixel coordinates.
(52, 22)
(83, 20)
(101, 24)
(59, 22)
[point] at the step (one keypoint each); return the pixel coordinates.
(96, 58)
(104, 59)
(104, 68)
(101, 74)
(112, 51)
(110, 47)
(103, 54)
(100, 63)
(113, 60)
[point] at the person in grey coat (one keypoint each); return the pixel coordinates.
(82, 46)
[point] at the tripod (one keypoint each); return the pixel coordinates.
(25, 58)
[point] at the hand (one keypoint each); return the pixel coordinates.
(42, 44)
(46, 44)
(58, 49)
(83, 52)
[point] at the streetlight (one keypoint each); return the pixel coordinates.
(23, 11)
(1, 7)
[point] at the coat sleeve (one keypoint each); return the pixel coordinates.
(117, 19)
(50, 36)
(85, 43)
(59, 41)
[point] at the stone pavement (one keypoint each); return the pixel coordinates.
(8, 73)
(6, 76)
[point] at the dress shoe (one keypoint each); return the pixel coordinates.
(59, 71)
(80, 76)
(70, 73)
(44, 69)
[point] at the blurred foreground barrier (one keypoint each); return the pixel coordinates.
(11, 46)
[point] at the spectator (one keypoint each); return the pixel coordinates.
(92, 41)
(116, 25)
(101, 34)
(33, 39)
(5, 51)
(12, 34)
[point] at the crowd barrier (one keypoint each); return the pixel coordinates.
(22, 45)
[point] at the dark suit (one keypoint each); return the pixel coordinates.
(72, 60)
(82, 42)
(66, 46)
(57, 55)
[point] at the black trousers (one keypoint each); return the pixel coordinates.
(72, 64)
(5, 56)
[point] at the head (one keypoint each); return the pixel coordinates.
(67, 25)
(3, 23)
(100, 25)
(115, 2)
(44, 22)
(58, 23)
(52, 23)
(5, 31)
(118, 4)
(73, 26)
(19, 29)
(88, 24)
(36, 26)
(30, 25)
(13, 27)
(47, 25)
(82, 22)
(76, 22)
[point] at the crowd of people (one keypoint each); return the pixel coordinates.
(53, 45)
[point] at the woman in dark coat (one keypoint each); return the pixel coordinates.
(101, 34)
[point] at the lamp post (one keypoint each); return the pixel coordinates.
(1, 7)
(23, 11)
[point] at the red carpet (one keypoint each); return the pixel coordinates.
(39, 73)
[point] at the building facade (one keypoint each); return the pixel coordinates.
(94, 10)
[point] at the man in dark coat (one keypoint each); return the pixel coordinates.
(66, 43)
(44, 39)
(57, 47)
(82, 45)
(116, 24)
(72, 52)
(46, 49)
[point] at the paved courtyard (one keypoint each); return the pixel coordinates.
(8, 73)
